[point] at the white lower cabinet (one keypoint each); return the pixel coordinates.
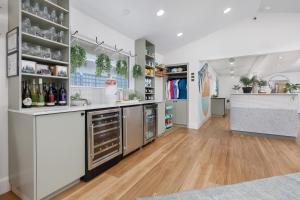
(47, 152)
(60, 151)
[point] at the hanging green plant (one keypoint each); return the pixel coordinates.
(103, 64)
(122, 68)
(78, 57)
(137, 71)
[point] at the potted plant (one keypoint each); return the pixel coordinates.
(290, 87)
(78, 57)
(122, 68)
(137, 71)
(248, 83)
(103, 64)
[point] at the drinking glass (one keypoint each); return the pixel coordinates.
(26, 24)
(26, 5)
(25, 48)
(46, 52)
(36, 8)
(61, 18)
(53, 34)
(45, 13)
(57, 55)
(53, 16)
(61, 35)
(37, 50)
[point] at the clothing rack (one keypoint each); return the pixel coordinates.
(75, 36)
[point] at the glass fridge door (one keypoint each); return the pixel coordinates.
(150, 123)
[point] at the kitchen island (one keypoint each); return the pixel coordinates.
(274, 114)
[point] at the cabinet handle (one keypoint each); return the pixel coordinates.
(92, 142)
(125, 135)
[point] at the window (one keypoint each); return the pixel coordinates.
(86, 75)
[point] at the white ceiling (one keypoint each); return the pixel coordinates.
(195, 18)
(261, 65)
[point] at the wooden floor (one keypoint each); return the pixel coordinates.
(191, 159)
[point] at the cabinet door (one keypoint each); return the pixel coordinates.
(60, 151)
(132, 128)
(180, 112)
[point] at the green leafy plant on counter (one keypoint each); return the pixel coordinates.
(248, 82)
(103, 64)
(78, 57)
(137, 71)
(261, 83)
(122, 68)
(292, 87)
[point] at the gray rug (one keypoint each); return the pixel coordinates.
(278, 188)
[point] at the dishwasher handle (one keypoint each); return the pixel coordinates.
(125, 131)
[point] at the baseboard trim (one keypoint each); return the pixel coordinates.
(4, 185)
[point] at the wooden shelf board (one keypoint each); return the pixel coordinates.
(43, 41)
(36, 17)
(44, 76)
(54, 5)
(45, 60)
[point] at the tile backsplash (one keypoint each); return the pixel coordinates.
(93, 94)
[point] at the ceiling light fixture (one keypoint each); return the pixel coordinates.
(227, 10)
(160, 13)
(179, 34)
(267, 7)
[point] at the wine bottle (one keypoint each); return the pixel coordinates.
(62, 95)
(56, 96)
(51, 97)
(27, 100)
(40, 94)
(34, 94)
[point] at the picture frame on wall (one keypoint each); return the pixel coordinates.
(12, 52)
(13, 64)
(12, 40)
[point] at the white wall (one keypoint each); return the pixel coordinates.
(270, 33)
(4, 185)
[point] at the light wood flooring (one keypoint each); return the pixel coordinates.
(188, 159)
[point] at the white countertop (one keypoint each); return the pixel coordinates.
(64, 109)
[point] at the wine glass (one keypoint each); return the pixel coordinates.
(36, 8)
(26, 24)
(45, 13)
(61, 18)
(53, 16)
(26, 5)
(61, 35)
(25, 48)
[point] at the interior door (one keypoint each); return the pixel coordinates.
(132, 128)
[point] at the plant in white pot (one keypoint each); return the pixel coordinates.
(236, 88)
(248, 83)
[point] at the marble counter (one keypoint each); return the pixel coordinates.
(275, 114)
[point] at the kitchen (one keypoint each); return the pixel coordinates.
(113, 99)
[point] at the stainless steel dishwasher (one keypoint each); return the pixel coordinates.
(132, 129)
(103, 140)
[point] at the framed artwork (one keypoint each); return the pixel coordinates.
(12, 40)
(13, 64)
(12, 52)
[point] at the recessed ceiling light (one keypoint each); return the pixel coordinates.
(267, 7)
(280, 57)
(227, 10)
(160, 13)
(179, 34)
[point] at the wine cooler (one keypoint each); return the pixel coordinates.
(150, 129)
(103, 141)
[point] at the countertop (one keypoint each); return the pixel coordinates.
(65, 109)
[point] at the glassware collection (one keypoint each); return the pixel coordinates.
(43, 11)
(43, 94)
(40, 51)
(51, 33)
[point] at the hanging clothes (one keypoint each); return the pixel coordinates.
(176, 89)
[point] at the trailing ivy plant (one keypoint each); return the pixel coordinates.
(78, 57)
(103, 64)
(122, 68)
(137, 71)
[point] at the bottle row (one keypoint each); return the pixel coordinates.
(43, 94)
